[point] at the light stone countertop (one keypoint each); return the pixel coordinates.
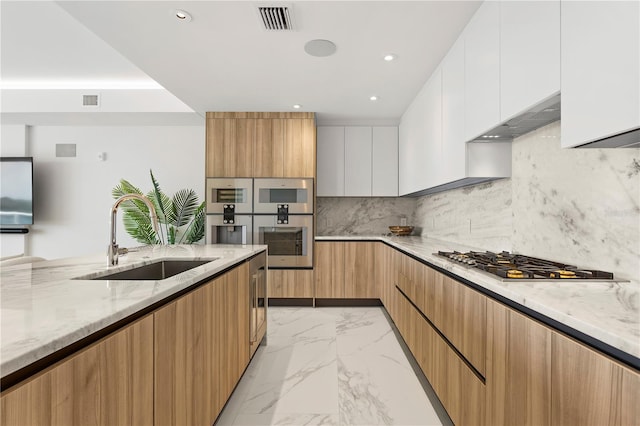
(43, 309)
(608, 311)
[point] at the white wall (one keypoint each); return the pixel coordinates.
(72, 196)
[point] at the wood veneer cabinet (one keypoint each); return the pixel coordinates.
(518, 368)
(290, 283)
(260, 144)
(329, 271)
(346, 270)
(201, 350)
(384, 271)
(108, 383)
(590, 389)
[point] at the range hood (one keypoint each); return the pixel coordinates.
(538, 116)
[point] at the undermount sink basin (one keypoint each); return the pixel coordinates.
(155, 271)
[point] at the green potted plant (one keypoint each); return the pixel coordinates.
(181, 217)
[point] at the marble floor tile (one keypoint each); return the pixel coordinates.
(329, 366)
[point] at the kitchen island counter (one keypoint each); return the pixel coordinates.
(606, 311)
(44, 308)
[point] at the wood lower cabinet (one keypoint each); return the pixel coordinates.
(518, 368)
(590, 389)
(346, 270)
(329, 270)
(290, 283)
(384, 271)
(201, 350)
(461, 392)
(108, 383)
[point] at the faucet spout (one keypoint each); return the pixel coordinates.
(112, 249)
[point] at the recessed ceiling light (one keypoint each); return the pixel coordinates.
(373, 98)
(297, 106)
(181, 15)
(389, 57)
(320, 48)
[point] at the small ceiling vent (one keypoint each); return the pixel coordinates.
(276, 18)
(90, 100)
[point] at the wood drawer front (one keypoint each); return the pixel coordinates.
(460, 313)
(290, 283)
(461, 392)
(359, 280)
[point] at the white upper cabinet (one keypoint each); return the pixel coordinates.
(433, 122)
(529, 54)
(357, 161)
(412, 147)
(482, 70)
(385, 162)
(330, 161)
(600, 69)
(453, 138)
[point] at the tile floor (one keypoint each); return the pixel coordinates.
(330, 366)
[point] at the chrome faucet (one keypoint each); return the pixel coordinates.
(112, 250)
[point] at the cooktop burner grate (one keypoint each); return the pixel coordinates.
(516, 266)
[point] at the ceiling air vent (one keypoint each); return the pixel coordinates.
(276, 18)
(90, 100)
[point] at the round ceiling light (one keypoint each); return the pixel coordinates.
(373, 98)
(389, 57)
(320, 48)
(181, 15)
(297, 106)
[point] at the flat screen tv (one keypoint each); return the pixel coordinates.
(16, 191)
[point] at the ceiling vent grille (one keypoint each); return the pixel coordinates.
(276, 18)
(90, 100)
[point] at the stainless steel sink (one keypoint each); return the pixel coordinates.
(153, 271)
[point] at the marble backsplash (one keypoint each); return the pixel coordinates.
(478, 216)
(579, 206)
(362, 216)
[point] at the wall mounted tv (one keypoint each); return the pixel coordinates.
(16, 191)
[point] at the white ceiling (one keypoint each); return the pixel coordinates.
(224, 61)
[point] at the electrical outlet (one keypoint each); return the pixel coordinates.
(403, 221)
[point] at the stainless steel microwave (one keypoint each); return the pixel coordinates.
(296, 193)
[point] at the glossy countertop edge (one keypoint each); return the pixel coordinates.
(616, 325)
(28, 336)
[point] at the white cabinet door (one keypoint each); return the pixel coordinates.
(412, 146)
(357, 161)
(600, 59)
(453, 138)
(330, 161)
(529, 54)
(482, 70)
(432, 160)
(384, 181)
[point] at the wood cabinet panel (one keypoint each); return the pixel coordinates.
(518, 369)
(290, 283)
(329, 270)
(229, 147)
(109, 383)
(300, 148)
(268, 159)
(359, 271)
(589, 388)
(201, 349)
(384, 271)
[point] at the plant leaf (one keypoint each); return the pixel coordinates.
(195, 232)
(185, 204)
